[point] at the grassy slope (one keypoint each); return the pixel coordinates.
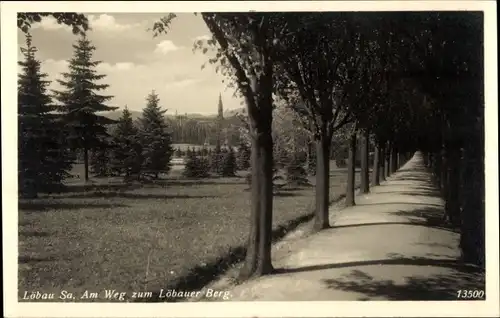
(105, 239)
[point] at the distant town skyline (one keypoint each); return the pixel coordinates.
(136, 63)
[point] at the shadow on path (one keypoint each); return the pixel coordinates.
(418, 261)
(413, 223)
(437, 287)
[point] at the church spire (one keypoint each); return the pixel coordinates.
(220, 110)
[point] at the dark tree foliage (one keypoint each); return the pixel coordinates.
(196, 167)
(204, 152)
(216, 160)
(311, 163)
(81, 103)
(100, 161)
(155, 138)
(77, 21)
(126, 153)
(228, 168)
(44, 160)
(296, 174)
(178, 152)
(243, 160)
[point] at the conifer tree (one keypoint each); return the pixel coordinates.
(156, 141)
(81, 102)
(196, 167)
(243, 160)
(228, 168)
(43, 157)
(204, 151)
(100, 161)
(216, 159)
(178, 152)
(126, 154)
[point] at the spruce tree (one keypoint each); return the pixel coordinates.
(81, 102)
(204, 152)
(178, 152)
(126, 154)
(157, 148)
(243, 160)
(100, 161)
(42, 154)
(216, 159)
(196, 167)
(228, 168)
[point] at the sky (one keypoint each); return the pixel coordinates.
(135, 63)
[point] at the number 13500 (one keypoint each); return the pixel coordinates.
(470, 294)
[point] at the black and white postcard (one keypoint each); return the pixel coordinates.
(250, 159)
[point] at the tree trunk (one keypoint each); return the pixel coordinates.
(444, 172)
(391, 159)
(473, 227)
(351, 171)
(394, 159)
(365, 176)
(387, 161)
(402, 159)
(376, 166)
(383, 165)
(86, 163)
(437, 164)
(322, 183)
(452, 206)
(259, 105)
(258, 258)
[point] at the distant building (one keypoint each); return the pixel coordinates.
(220, 124)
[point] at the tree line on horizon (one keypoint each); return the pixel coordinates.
(404, 81)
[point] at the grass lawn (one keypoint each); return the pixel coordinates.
(140, 237)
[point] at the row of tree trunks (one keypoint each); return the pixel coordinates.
(472, 239)
(382, 158)
(459, 172)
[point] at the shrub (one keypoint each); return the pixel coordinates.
(295, 173)
(196, 167)
(228, 168)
